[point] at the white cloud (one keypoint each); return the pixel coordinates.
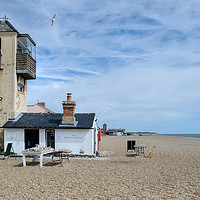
(145, 94)
(142, 57)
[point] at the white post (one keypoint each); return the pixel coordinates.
(41, 160)
(24, 160)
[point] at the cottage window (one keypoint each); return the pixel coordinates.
(50, 138)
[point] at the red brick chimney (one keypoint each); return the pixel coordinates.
(41, 104)
(68, 110)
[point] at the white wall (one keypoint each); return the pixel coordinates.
(15, 136)
(119, 133)
(75, 139)
(95, 136)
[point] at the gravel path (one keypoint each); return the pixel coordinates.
(173, 174)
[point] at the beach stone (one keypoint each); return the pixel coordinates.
(172, 174)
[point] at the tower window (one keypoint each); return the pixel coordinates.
(25, 45)
(20, 87)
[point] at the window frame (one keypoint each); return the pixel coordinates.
(20, 87)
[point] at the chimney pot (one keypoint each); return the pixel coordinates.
(69, 96)
(41, 104)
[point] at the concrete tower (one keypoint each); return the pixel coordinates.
(17, 65)
(104, 128)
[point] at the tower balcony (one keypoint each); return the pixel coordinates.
(26, 65)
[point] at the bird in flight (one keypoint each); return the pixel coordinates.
(53, 19)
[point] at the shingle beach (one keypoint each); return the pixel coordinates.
(173, 174)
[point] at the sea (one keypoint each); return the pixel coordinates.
(184, 135)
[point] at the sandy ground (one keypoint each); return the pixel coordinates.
(173, 174)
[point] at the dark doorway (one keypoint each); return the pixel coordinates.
(50, 138)
(31, 138)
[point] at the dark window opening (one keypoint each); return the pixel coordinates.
(31, 138)
(20, 87)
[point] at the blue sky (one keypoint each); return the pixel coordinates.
(143, 57)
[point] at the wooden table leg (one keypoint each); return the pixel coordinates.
(51, 158)
(137, 151)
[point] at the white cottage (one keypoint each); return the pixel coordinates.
(60, 131)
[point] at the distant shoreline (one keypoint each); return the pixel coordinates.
(182, 135)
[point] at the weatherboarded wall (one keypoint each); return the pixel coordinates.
(73, 139)
(15, 136)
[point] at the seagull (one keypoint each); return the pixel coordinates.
(53, 19)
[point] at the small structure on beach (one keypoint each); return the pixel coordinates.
(116, 131)
(59, 131)
(146, 133)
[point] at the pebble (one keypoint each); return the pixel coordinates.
(172, 174)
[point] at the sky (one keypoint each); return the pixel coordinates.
(141, 56)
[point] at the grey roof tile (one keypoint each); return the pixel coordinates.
(49, 120)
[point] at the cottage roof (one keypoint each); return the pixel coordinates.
(50, 120)
(38, 108)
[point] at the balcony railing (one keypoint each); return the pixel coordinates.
(26, 66)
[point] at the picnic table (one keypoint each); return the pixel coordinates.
(139, 149)
(60, 154)
(36, 154)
